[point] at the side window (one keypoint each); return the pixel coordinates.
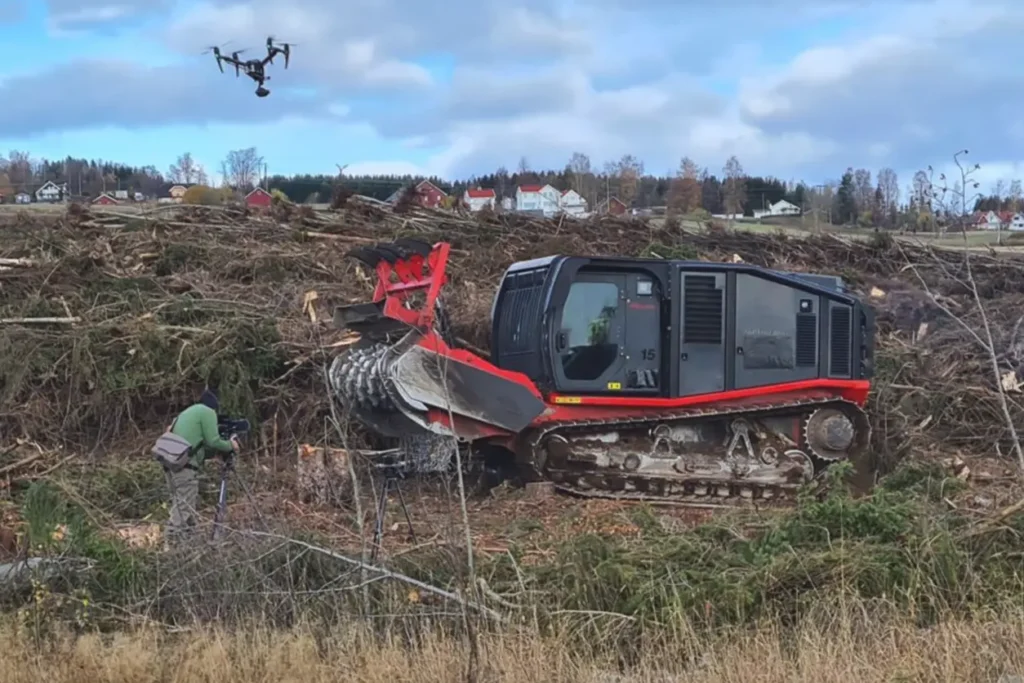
(587, 323)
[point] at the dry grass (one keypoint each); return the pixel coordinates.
(844, 650)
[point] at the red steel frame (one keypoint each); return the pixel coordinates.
(413, 274)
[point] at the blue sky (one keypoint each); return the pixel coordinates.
(799, 89)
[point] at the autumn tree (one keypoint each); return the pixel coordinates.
(629, 170)
(241, 168)
(734, 190)
(184, 170)
(206, 196)
(685, 191)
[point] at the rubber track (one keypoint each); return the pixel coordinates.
(587, 427)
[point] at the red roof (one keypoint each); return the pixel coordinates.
(427, 183)
(1006, 216)
(531, 188)
(480, 194)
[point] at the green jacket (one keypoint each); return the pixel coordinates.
(198, 425)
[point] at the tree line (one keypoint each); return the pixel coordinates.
(857, 197)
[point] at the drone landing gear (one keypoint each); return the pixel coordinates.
(262, 92)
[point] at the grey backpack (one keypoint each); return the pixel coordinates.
(172, 451)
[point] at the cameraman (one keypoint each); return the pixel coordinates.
(197, 424)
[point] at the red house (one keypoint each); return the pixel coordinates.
(613, 207)
(258, 197)
(429, 194)
(105, 200)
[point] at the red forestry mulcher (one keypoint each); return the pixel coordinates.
(621, 377)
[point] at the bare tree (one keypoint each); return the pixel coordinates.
(524, 166)
(502, 182)
(889, 186)
(735, 187)
(863, 192)
(1015, 196)
(954, 204)
(184, 170)
(999, 189)
(579, 164)
(19, 168)
(241, 168)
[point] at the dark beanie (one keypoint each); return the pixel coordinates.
(209, 399)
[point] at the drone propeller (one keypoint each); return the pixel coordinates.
(215, 49)
(284, 48)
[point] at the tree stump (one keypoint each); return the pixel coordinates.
(540, 490)
(322, 475)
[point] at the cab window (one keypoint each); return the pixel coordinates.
(588, 323)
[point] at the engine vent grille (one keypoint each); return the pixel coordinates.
(839, 342)
(806, 340)
(702, 315)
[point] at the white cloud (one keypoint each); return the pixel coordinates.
(902, 83)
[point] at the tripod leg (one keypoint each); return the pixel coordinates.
(378, 528)
(405, 511)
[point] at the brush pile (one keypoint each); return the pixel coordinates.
(110, 322)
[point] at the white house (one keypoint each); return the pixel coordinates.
(1017, 222)
(22, 198)
(989, 220)
(538, 198)
(506, 203)
(477, 199)
(779, 208)
(573, 203)
(50, 192)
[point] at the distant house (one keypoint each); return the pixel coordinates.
(50, 192)
(477, 199)
(612, 207)
(988, 220)
(1017, 222)
(258, 197)
(105, 200)
(542, 198)
(573, 203)
(177, 192)
(23, 198)
(428, 195)
(779, 208)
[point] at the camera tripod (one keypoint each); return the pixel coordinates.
(391, 482)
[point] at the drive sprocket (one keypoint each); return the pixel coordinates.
(832, 434)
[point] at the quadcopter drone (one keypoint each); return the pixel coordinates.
(255, 68)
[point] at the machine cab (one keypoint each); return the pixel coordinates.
(658, 328)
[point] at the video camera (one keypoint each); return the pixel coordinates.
(232, 426)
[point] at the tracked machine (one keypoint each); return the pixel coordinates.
(620, 377)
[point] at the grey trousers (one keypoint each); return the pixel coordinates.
(184, 488)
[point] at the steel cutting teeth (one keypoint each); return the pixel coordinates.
(829, 434)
